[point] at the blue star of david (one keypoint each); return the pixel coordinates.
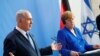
(85, 30)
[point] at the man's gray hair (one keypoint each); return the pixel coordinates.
(20, 12)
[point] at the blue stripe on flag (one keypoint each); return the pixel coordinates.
(88, 21)
(87, 3)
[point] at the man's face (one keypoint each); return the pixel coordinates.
(26, 22)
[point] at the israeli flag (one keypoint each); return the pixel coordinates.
(89, 29)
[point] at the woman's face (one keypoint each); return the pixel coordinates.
(70, 21)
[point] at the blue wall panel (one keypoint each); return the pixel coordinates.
(45, 14)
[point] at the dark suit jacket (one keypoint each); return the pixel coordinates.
(98, 23)
(16, 43)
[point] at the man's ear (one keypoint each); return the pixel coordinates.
(19, 20)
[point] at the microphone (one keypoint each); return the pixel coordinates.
(54, 38)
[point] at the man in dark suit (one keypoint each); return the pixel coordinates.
(20, 43)
(98, 22)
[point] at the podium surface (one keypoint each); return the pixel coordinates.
(91, 53)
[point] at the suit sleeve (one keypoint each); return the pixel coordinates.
(9, 46)
(46, 51)
(88, 47)
(61, 39)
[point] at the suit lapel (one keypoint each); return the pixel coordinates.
(25, 41)
(37, 50)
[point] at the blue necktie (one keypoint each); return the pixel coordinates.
(30, 40)
(27, 36)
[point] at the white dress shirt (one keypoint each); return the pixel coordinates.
(24, 33)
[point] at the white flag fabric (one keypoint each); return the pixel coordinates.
(88, 23)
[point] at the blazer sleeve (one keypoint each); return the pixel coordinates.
(46, 51)
(61, 39)
(88, 47)
(9, 46)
